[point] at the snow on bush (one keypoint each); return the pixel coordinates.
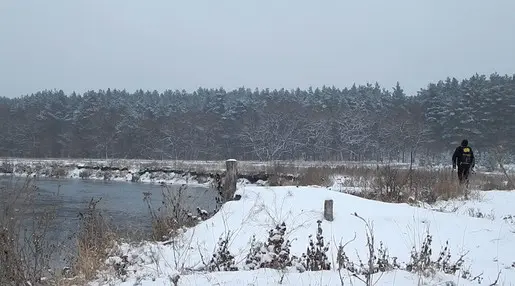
(222, 259)
(274, 254)
(316, 257)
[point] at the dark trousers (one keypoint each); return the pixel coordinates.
(463, 173)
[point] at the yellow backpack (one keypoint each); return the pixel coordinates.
(466, 155)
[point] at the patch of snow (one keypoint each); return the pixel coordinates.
(493, 205)
(261, 183)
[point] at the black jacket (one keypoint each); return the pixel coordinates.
(457, 157)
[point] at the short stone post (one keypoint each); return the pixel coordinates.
(328, 210)
(231, 177)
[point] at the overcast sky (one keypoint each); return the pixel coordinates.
(82, 45)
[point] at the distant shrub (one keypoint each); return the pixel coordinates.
(320, 176)
(85, 173)
(6, 167)
(58, 171)
(108, 175)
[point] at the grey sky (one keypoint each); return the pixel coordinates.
(82, 45)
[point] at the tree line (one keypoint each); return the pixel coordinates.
(361, 122)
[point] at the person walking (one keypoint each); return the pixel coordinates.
(463, 157)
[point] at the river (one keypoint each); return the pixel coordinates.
(121, 203)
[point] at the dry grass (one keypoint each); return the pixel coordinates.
(487, 182)
(25, 248)
(392, 184)
(94, 240)
(170, 215)
(320, 176)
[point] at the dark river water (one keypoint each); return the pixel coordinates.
(121, 203)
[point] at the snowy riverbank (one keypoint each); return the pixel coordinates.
(487, 245)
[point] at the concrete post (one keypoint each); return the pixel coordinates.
(231, 177)
(328, 210)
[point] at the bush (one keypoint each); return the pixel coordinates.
(6, 167)
(85, 174)
(275, 253)
(58, 172)
(378, 260)
(408, 186)
(320, 176)
(26, 251)
(171, 215)
(94, 240)
(253, 258)
(315, 258)
(222, 259)
(422, 263)
(389, 184)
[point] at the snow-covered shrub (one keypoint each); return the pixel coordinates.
(202, 214)
(119, 264)
(509, 219)
(85, 174)
(377, 260)
(108, 175)
(382, 262)
(421, 260)
(222, 259)
(58, 172)
(253, 258)
(476, 212)
(315, 257)
(275, 253)
(174, 279)
(6, 167)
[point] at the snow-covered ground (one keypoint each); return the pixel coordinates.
(488, 242)
(491, 205)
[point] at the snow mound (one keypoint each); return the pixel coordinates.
(489, 244)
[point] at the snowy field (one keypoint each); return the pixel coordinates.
(486, 242)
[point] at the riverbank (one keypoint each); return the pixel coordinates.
(167, 171)
(107, 170)
(262, 239)
(274, 173)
